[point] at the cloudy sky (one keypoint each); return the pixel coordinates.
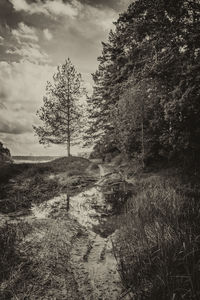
(35, 37)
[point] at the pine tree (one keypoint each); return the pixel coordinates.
(61, 112)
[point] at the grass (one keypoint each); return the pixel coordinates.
(8, 254)
(34, 261)
(11, 260)
(24, 184)
(158, 241)
(10, 171)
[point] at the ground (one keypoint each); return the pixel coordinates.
(62, 248)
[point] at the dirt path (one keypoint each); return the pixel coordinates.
(93, 262)
(95, 268)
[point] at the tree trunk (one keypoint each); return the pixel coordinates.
(68, 137)
(68, 123)
(68, 147)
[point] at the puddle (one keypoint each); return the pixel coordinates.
(46, 209)
(89, 207)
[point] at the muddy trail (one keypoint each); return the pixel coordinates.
(70, 247)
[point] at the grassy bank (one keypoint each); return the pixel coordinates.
(34, 260)
(158, 242)
(23, 184)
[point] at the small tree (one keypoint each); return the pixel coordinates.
(62, 112)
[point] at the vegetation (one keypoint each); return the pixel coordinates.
(157, 247)
(145, 110)
(5, 155)
(24, 184)
(148, 76)
(146, 106)
(61, 113)
(34, 267)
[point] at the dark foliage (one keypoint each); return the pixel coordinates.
(146, 93)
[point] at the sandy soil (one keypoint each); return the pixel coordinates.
(95, 268)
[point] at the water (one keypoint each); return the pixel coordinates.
(88, 208)
(29, 161)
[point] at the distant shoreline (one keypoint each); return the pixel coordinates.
(31, 159)
(34, 157)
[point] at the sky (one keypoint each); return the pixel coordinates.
(35, 37)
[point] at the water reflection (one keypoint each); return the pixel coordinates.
(68, 198)
(91, 208)
(87, 207)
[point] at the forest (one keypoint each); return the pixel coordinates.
(146, 93)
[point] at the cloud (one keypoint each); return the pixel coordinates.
(24, 32)
(51, 8)
(11, 125)
(102, 18)
(20, 5)
(58, 7)
(47, 34)
(1, 40)
(80, 38)
(22, 86)
(27, 46)
(30, 52)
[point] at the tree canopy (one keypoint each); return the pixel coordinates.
(150, 64)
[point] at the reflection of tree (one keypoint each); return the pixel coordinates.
(68, 199)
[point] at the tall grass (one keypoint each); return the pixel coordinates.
(158, 244)
(12, 260)
(35, 261)
(8, 254)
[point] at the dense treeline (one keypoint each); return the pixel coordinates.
(146, 95)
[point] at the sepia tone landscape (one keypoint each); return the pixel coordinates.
(99, 149)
